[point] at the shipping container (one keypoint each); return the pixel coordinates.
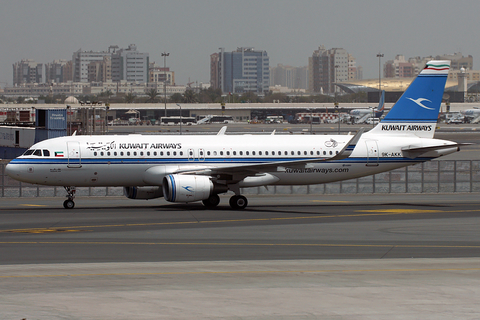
(51, 119)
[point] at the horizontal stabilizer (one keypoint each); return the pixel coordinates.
(415, 152)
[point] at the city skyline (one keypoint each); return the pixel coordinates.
(190, 31)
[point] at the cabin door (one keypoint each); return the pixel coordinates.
(73, 153)
(372, 152)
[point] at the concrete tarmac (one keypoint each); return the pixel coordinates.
(281, 289)
(283, 257)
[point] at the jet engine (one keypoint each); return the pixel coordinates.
(143, 193)
(188, 188)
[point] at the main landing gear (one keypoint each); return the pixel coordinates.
(237, 202)
(69, 204)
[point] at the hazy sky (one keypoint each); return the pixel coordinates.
(191, 30)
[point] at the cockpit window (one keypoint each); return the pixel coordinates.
(46, 153)
(28, 152)
(37, 152)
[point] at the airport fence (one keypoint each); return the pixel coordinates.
(430, 177)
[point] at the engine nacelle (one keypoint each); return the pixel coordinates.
(143, 193)
(186, 188)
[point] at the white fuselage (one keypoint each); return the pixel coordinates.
(143, 160)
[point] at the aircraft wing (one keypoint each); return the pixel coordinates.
(244, 170)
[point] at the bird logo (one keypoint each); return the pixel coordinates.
(419, 102)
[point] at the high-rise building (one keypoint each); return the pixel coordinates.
(326, 67)
(27, 71)
(100, 71)
(58, 71)
(400, 68)
(290, 77)
(130, 65)
(81, 60)
(240, 71)
(161, 74)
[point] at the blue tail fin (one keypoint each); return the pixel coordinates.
(381, 106)
(416, 112)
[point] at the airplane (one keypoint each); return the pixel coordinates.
(473, 115)
(189, 168)
(361, 115)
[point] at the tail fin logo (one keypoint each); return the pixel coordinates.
(419, 102)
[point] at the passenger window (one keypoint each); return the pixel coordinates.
(331, 152)
(253, 153)
(247, 153)
(155, 153)
(241, 153)
(128, 153)
(46, 153)
(286, 153)
(208, 153)
(221, 153)
(168, 153)
(324, 153)
(141, 153)
(148, 153)
(299, 153)
(181, 153)
(37, 153)
(266, 153)
(214, 153)
(161, 153)
(311, 153)
(174, 153)
(305, 152)
(134, 153)
(259, 153)
(228, 153)
(318, 153)
(293, 153)
(234, 153)
(95, 153)
(108, 153)
(115, 153)
(273, 153)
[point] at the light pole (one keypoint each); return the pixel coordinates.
(180, 117)
(379, 56)
(336, 103)
(165, 55)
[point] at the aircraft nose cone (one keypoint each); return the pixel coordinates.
(13, 170)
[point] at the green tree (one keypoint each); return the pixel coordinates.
(129, 97)
(152, 95)
(176, 98)
(189, 96)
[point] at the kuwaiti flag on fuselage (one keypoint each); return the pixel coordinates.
(416, 112)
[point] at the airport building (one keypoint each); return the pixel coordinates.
(240, 71)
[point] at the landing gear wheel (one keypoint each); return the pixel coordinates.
(238, 202)
(212, 201)
(68, 204)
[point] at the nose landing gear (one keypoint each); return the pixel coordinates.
(69, 204)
